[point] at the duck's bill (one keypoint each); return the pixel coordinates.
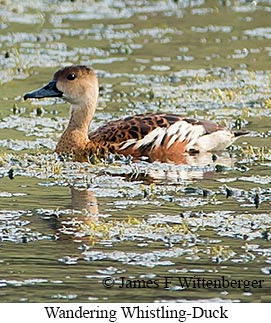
(48, 91)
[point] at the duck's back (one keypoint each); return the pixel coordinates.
(134, 127)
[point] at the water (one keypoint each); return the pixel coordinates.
(64, 226)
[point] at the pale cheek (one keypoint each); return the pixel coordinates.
(79, 94)
(60, 86)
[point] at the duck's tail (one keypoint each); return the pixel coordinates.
(238, 133)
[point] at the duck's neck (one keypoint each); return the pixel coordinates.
(80, 119)
(75, 137)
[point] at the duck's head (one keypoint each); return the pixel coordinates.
(76, 84)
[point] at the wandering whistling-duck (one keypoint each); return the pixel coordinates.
(161, 137)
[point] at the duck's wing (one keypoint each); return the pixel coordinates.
(161, 136)
(134, 127)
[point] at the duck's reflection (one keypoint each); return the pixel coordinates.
(84, 200)
(197, 167)
(85, 217)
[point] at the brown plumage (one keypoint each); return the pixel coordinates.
(163, 137)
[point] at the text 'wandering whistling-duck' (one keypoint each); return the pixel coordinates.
(159, 136)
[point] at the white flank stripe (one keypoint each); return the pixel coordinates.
(184, 131)
(149, 138)
(175, 127)
(173, 139)
(160, 137)
(179, 131)
(196, 132)
(128, 143)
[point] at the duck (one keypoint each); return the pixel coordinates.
(163, 137)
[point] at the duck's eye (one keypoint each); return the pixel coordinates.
(71, 77)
